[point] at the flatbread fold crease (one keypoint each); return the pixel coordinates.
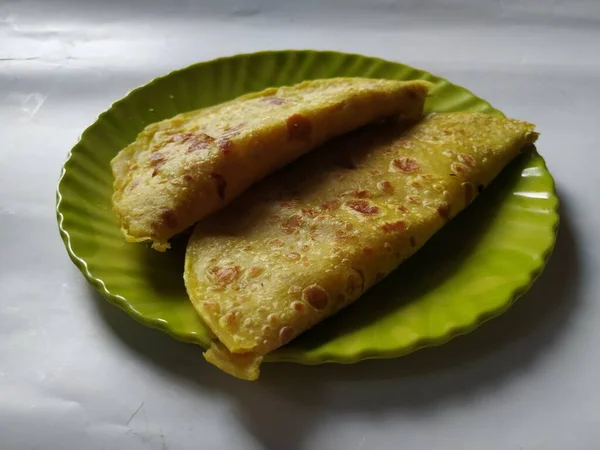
(184, 168)
(309, 240)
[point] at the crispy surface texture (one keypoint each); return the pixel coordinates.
(182, 169)
(309, 240)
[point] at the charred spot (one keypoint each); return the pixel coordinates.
(220, 183)
(363, 207)
(412, 241)
(299, 128)
(394, 227)
(480, 188)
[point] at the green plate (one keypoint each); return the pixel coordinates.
(469, 272)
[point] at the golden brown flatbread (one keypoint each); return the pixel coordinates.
(182, 169)
(311, 239)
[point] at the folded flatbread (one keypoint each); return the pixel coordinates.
(185, 168)
(311, 239)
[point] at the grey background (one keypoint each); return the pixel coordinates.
(77, 373)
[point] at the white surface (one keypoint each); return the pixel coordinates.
(77, 373)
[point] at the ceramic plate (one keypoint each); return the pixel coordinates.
(469, 272)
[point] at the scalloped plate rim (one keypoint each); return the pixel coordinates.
(190, 337)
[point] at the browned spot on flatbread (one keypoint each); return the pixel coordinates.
(385, 187)
(467, 159)
(459, 168)
(394, 227)
(315, 296)
(299, 307)
(405, 164)
(361, 193)
(255, 271)
(199, 141)
(309, 212)
(225, 145)
(363, 207)
(291, 224)
(330, 205)
(156, 158)
(224, 275)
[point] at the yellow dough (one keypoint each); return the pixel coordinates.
(182, 169)
(311, 239)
